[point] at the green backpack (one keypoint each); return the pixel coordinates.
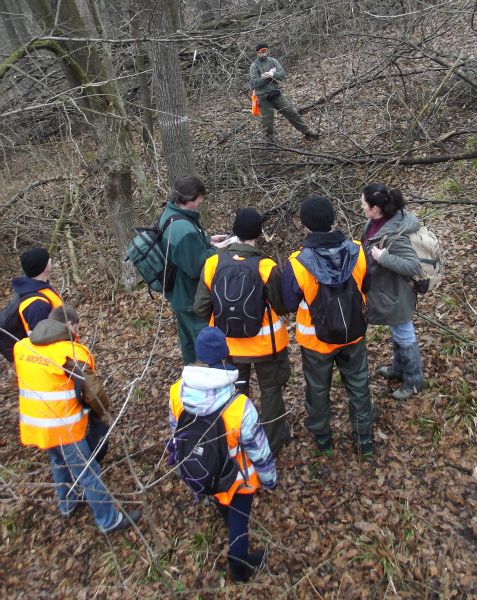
(150, 259)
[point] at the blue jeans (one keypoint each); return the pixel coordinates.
(403, 334)
(67, 465)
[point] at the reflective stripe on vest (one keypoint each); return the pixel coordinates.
(260, 344)
(50, 414)
(47, 396)
(48, 423)
(48, 295)
(305, 330)
(232, 417)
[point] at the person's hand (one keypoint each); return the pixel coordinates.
(266, 75)
(226, 242)
(272, 71)
(376, 252)
(220, 237)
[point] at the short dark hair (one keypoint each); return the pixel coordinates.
(64, 314)
(186, 189)
(388, 200)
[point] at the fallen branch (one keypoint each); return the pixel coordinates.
(357, 83)
(22, 193)
(328, 159)
(418, 200)
(446, 329)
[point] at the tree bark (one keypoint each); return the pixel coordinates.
(169, 90)
(144, 84)
(116, 154)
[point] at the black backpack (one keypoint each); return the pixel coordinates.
(150, 258)
(201, 451)
(238, 296)
(339, 313)
(11, 326)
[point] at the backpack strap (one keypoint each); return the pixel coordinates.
(393, 238)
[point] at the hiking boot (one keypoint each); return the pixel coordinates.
(404, 392)
(125, 520)
(395, 370)
(365, 449)
(311, 135)
(241, 570)
(412, 376)
(364, 445)
(389, 373)
(324, 445)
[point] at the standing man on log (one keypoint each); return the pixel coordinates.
(265, 73)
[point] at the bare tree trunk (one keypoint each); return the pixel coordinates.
(140, 62)
(9, 26)
(169, 90)
(116, 154)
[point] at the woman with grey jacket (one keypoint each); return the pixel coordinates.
(392, 300)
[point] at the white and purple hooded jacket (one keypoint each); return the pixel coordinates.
(204, 390)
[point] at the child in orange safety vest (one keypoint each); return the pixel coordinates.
(203, 390)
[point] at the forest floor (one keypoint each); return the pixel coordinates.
(402, 525)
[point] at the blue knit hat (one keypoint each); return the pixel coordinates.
(211, 346)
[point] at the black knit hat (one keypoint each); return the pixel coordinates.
(248, 224)
(34, 261)
(317, 213)
(261, 45)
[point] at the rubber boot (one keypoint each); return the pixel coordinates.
(311, 135)
(241, 570)
(395, 370)
(412, 376)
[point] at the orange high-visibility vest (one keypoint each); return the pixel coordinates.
(49, 296)
(260, 344)
(305, 330)
(232, 417)
(50, 413)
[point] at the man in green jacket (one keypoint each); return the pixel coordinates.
(187, 248)
(265, 73)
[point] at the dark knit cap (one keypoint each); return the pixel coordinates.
(317, 213)
(260, 46)
(211, 346)
(34, 261)
(248, 224)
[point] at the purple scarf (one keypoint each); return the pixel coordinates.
(375, 226)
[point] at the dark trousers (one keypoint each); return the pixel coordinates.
(272, 376)
(95, 433)
(236, 517)
(285, 108)
(189, 326)
(352, 363)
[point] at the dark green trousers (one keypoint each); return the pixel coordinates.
(272, 376)
(189, 326)
(352, 363)
(285, 108)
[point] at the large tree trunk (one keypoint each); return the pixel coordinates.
(9, 27)
(169, 90)
(105, 110)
